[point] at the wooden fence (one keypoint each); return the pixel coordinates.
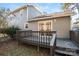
(74, 36)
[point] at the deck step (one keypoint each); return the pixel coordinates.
(66, 47)
(69, 49)
(66, 53)
(59, 47)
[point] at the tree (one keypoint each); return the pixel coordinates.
(72, 7)
(65, 6)
(3, 17)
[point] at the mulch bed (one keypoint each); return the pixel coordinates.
(14, 48)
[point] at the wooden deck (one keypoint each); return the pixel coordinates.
(66, 43)
(38, 38)
(65, 46)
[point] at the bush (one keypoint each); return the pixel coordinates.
(11, 31)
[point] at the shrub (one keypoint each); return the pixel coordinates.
(11, 31)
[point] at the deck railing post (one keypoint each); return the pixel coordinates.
(38, 48)
(51, 51)
(38, 41)
(53, 45)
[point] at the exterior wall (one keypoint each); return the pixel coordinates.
(21, 18)
(32, 12)
(62, 26)
(33, 26)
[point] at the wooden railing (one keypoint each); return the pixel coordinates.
(41, 39)
(53, 45)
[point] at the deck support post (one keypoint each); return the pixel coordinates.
(51, 51)
(38, 48)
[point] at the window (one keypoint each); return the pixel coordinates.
(41, 27)
(48, 26)
(45, 26)
(26, 25)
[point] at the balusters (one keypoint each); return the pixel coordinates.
(46, 38)
(31, 36)
(40, 38)
(49, 39)
(37, 36)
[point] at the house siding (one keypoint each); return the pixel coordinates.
(62, 26)
(22, 17)
(19, 20)
(33, 26)
(32, 12)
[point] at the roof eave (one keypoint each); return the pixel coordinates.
(45, 18)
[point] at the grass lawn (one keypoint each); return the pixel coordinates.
(13, 48)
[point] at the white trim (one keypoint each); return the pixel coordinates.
(45, 18)
(44, 22)
(27, 14)
(40, 18)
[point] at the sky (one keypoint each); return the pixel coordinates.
(45, 7)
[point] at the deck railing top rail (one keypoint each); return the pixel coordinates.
(36, 31)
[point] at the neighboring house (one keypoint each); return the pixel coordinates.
(20, 16)
(76, 25)
(30, 18)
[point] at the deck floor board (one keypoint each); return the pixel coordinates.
(66, 43)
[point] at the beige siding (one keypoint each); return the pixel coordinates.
(62, 26)
(33, 26)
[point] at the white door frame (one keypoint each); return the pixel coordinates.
(44, 22)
